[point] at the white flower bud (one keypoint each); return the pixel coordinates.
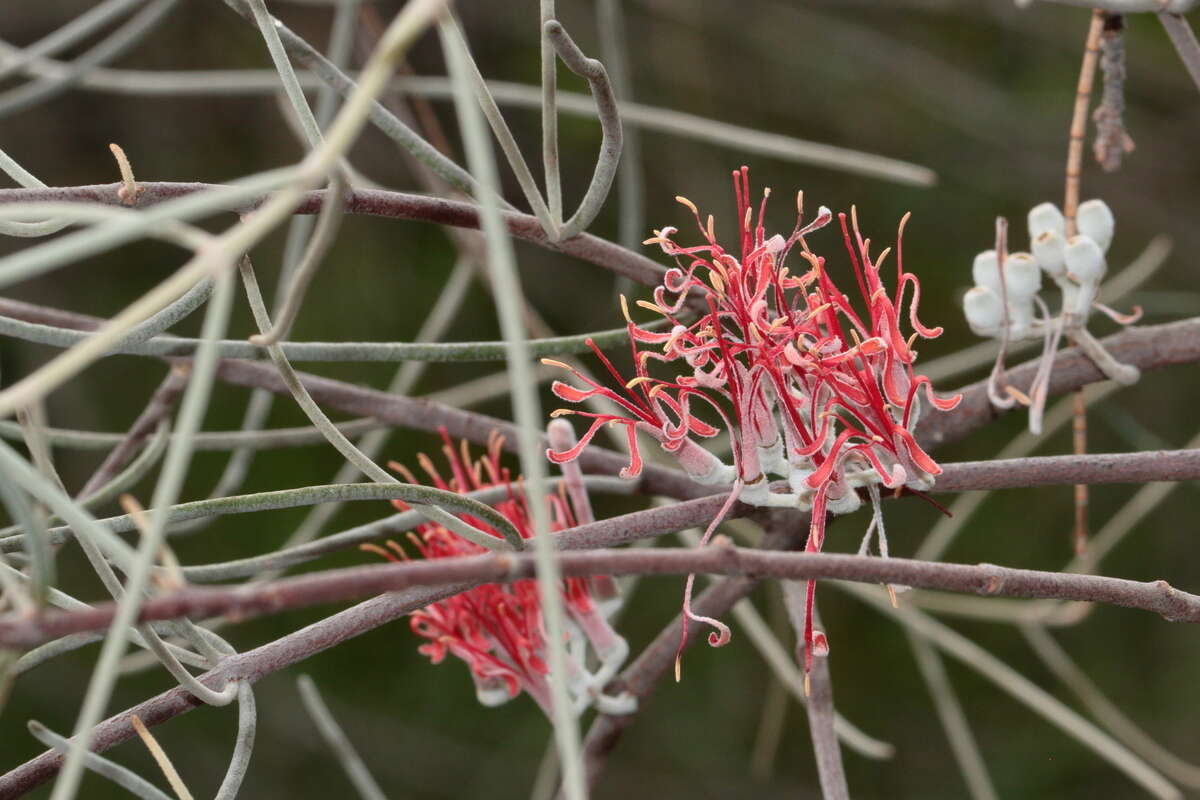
(1050, 250)
(983, 310)
(1020, 317)
(986, 271)
(1022, 277)
(1085, 260)
(1095, 219)
(1044, 218)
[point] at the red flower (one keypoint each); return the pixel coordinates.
(810, 386)
(497, 629)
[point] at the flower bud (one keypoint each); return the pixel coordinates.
(1022, 277)
(986, 271)
(1046, 218)
(1049, 249)
(1020, 316)
(1095, 219)
(1085, 260)
(983, 310)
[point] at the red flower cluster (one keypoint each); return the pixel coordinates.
(809, 387)
(497, 629)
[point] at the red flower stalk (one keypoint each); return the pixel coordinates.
(497, 629)
(809, 387)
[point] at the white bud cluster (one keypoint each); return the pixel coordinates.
(1077, 264)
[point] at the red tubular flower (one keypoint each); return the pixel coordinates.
(812, 386)
(497, 629)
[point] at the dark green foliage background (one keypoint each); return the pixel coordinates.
(979, 91)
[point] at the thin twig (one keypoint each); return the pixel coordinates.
(243, 747)
(1104, 710)
(605, 172)
(954, 721)
(125, 778)
(1078, 130)
(1179, 30)
(344, 584)
(819, 686)
(159, 407)
(526, 405)
(338, 742)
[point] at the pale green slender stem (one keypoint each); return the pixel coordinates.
(1104, 710)
(385, 352)
(631, 201)
(435, 325)
(550, 115)
(137, 469)
(395, 525)
(77, 29)
(954, 720)
(1022, 689)
(287, 75)
(108, 49)
(328, 222)
(605, 171)
(125, 778)
(339, 743)
(243, 746)
(509, 304)
(344, 446)
(287, 498)
(35, 540)
(508, 144)
(384, 120)
(192, 408)
(226, 249)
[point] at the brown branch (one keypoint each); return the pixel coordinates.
(1089, 468)
(1148, 347)
(819, 709)
(254, 599)
(378, 203)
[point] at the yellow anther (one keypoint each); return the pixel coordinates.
(561, 412)
(550, 362)
(1018, 395)
(646, 304)
(625, 309)
(712, 236)
(910, 341)
(717, 283)
(692, 206)
(639, 379)
(800, 202)
(854, 217)
(882, 257)
(746, 218)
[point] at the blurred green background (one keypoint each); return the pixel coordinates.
(980, 92)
